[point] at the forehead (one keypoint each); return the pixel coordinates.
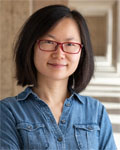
(65, 28)
(65, 23)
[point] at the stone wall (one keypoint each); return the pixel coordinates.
(103, 18)
(13, 14)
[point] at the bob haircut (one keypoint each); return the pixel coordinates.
(37, 26)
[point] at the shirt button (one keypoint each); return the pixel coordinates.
(63, 121)
(60, 139)
(68, 104)
(46, 145)
(29, 127)
(90, 128)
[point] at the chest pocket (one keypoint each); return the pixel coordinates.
(33, 136)
(87, 136)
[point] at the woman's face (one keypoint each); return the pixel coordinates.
(58, 65)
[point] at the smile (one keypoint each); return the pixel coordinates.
(57, 65)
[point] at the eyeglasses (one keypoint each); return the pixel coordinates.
(67, 47)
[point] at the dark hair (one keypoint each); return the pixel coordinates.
(38, 25)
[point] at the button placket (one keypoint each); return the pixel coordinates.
(67, 104)
(29, 127)
(63, 121)
(60, 139)
(64, 116)
(46, 146)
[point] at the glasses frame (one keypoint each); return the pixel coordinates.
(61, 46)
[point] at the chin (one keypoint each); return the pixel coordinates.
(58, 78)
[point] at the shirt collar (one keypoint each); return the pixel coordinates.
(23, 95)
(28, 91)
(77, 96)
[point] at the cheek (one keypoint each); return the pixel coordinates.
(74, 63)
(75, 60)
(37, 59)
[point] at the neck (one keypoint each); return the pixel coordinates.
(52, 92)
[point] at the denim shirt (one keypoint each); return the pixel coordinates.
(27, 123)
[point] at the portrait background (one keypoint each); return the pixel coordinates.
(103, 18)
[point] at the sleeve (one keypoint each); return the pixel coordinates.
(106, 134)
(9, 137)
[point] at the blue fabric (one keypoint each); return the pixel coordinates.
(28, 124)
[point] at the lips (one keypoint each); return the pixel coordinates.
(57, 64)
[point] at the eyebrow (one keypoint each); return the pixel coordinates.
(53, 37)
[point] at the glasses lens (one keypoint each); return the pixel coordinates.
(71, 47)
(47, 45)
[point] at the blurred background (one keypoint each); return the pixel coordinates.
(103, 19)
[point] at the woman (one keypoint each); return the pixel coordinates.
(54, 58)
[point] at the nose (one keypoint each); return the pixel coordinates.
(58, 53)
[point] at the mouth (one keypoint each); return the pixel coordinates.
(57, 65)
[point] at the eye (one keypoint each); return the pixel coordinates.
(49, 42)
(70, 44)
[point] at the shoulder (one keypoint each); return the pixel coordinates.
(14, 100)
(8, 100)
(90, 104)
(87, 100)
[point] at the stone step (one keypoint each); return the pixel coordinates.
(102, 90)
(113, 111)
(109, 99)
(112, 105)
